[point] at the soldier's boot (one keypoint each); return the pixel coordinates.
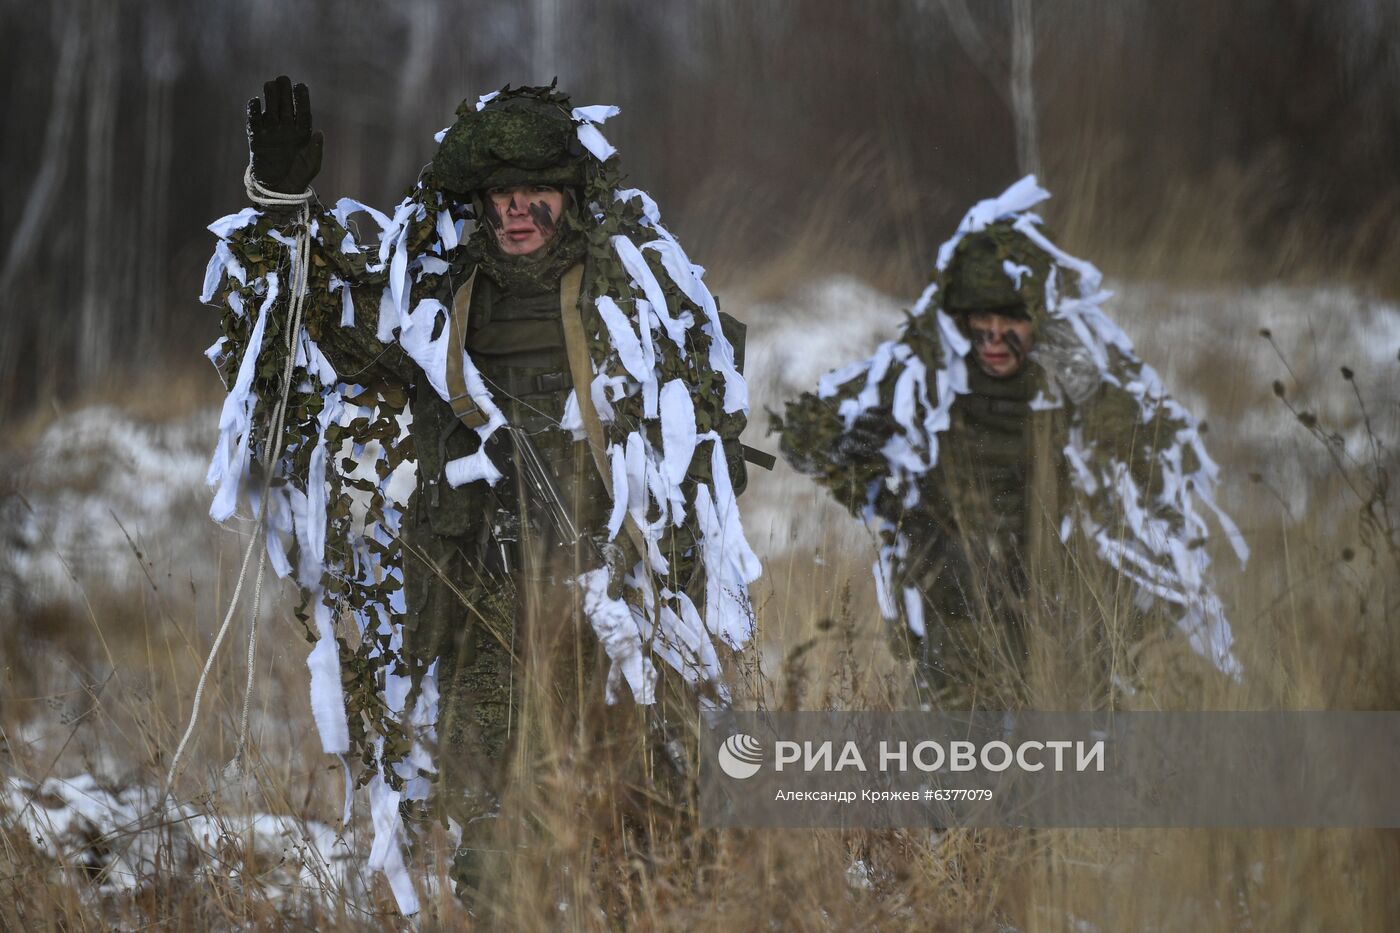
(479, 863)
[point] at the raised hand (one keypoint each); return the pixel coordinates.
(285, 153)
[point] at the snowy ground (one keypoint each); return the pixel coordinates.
(97, 487)
(104, 503)
(122, 835)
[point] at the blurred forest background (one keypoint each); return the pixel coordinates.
(1187, 140)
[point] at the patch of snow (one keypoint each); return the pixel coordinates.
(858, 876)
(98, 485)
(123, 837)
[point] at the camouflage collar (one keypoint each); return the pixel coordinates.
(525, 276)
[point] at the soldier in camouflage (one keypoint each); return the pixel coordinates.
(957, 441)
(485, 563)
(968, 537)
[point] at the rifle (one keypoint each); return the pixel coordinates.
(540, 484)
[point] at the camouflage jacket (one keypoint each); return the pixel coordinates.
(997, 448)
(344, 319)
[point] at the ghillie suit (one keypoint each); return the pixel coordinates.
(632, 481)
(976, 485)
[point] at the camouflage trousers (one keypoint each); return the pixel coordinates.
(483, 627)
(999, 637)
(518, 667)
(973, 652)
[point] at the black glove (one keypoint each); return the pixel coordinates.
(865, 439)
(286, 155)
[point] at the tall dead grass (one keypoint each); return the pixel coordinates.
(590, 840)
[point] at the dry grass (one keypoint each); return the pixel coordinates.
(1315, 632)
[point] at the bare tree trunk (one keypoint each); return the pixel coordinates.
(974, 45)
(53, 158)
(418, 65)
(1023, 88)
(547, 57)
(162, 66)
(96, 321)
(1014, 81)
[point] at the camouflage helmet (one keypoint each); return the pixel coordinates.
(521, 136)
(997, 268)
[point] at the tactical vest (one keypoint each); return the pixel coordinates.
(517, 344)
(984, 468)
(521, 346)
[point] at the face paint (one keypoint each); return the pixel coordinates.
(544, 218)
(1013, 343)
(493, 216)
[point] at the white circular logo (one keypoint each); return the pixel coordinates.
(741, 756)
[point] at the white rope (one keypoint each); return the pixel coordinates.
(272, 448)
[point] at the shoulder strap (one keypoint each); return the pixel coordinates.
(1043, 499)
(581, 369)
(458, 397)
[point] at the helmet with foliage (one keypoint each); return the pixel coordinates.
(520, 136)
(996, 269)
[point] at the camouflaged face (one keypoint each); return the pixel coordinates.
(525, 136)
(983, 273)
